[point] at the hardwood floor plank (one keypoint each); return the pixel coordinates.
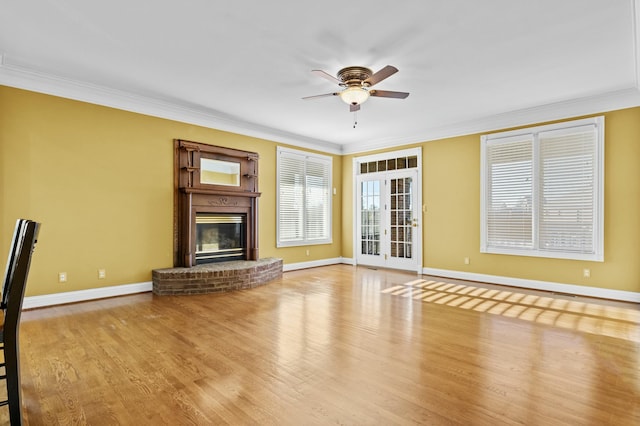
(335, 345)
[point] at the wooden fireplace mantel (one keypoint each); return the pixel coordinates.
(194, 192)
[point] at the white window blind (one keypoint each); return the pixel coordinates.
(304, 198)
(510, 195)
(542, 191)
(568, 190)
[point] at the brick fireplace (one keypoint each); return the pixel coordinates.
(215, 222)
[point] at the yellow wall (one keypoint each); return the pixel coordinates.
(451, 225)
(101, 182)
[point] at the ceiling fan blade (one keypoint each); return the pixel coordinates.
(388, 94)
(381, 75)
(354, 107)
(321, 96)
(326, 75)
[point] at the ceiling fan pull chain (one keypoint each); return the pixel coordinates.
(355, 119)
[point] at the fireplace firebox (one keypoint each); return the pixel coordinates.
(220, 237)
(216, 204)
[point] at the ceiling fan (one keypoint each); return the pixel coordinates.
(356, 82)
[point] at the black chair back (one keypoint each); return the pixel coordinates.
(13, 295)
(11, 261)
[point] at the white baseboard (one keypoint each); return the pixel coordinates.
(312, 264)
(577, 290)
(31, 302)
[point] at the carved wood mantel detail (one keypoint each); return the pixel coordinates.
(223, 201)
(198, 189)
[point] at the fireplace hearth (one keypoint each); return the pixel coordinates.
(216, 277)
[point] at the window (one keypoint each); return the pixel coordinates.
(304, 198)
(542, 191)
(375, 166)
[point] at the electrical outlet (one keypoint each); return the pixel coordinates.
(467, 261)
(62, 277)
(586, 273)
(308, 253)
(102, 274)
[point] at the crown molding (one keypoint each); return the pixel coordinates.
(33, 80)
(619, 99)
(635, 5)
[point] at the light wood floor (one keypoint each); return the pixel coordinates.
(335, 345)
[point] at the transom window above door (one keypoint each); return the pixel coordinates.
(388, 164)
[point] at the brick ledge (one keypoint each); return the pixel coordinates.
(216, 277)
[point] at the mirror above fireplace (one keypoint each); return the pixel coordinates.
(217, 172)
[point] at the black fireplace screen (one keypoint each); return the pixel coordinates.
(220, 237)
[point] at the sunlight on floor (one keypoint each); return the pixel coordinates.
(621, 323)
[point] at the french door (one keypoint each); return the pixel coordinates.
(387, 222)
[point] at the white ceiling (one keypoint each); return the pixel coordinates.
(244, 65)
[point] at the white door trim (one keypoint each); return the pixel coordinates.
(386, 156)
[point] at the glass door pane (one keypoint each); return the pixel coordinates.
(402, 217)
(370, 220)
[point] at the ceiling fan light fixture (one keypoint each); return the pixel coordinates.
(354, 95)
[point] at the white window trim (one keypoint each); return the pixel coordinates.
(598, 221)
(388, 156)
(317, 157)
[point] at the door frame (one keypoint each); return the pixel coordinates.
(418, 186)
